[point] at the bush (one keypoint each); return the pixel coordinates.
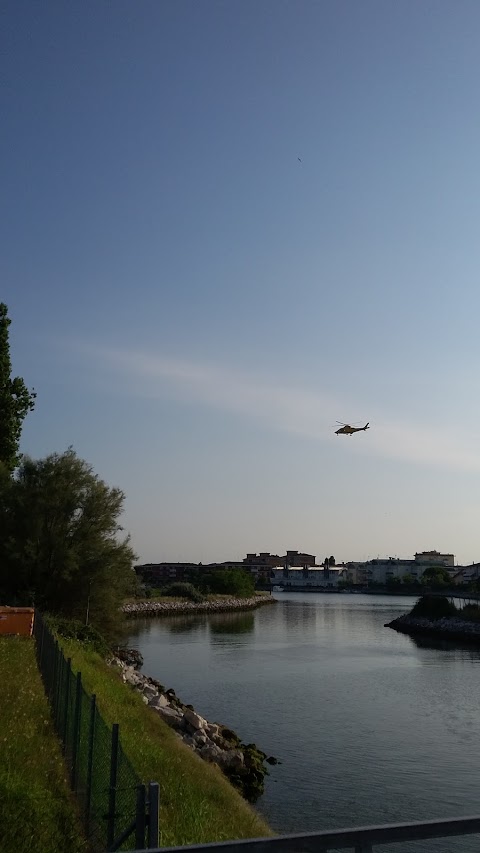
(471, 613)
(228, 582)
(434, 607)
(72, 629)
(183, 590)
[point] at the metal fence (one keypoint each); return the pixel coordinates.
(119, 812)
(360, 839)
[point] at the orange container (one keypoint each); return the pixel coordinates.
(16, 620)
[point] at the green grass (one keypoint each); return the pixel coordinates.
(37, 811)
(197, 803)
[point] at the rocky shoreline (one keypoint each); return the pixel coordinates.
(171, 608)
(448, 628)
(244, 765)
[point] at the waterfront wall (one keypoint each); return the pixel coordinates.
(172, 608)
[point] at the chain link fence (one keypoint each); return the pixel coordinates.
(119, 812)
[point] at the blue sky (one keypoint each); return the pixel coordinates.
(196, 307)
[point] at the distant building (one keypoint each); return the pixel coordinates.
(260, 566)
(307, 578)
(434, 558)
(385, 569)
(156, 573)
(467, 574)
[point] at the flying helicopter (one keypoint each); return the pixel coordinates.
(346, 429)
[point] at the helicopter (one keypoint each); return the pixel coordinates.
(346, 429)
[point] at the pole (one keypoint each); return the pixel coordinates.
(153, 813)
(91, 741)
(140, 818)
(76, 730)
(112, 794)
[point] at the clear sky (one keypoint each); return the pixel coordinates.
(196, 306)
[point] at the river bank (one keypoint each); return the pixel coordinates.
(242, 764)
(198, 804)
(447, 628)
(222, 604)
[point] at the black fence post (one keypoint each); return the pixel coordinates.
(91, 741)
(140, 821)
(65, 712)
(58, 661)
(153, 813)
(112, 795)
(51, 673)
(42, 638)
(76, 730)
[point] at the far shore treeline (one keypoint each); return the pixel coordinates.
(62, 547)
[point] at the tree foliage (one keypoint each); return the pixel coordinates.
(183, 590)
(227, 582)
(434, 607)
(436, 576)
(15, 400)
(59, 541)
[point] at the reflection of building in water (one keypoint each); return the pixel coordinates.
(298, 615)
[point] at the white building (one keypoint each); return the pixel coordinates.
(385, 569)
(309, 578)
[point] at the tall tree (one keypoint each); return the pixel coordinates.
(60, 542)
(15, 400)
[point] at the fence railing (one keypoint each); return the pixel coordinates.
(361, 839)
(119, 812)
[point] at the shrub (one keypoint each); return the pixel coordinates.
(236, 582)
(434, 607)
(72, 629)
(471, 613)
(183, 590)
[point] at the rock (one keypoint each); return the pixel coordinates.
(228, 734)
(131, 677)
(234, 759)
(210, 753)
(200, 738)
(195, 720)
(160, 701)
(132, 657)
(272, 760)
(149, 692)
(173, 718)
(212, 729)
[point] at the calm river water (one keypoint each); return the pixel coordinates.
(370, 725)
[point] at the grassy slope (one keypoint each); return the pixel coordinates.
(197, 804)
(36, 808)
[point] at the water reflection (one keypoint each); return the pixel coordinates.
(232, 623)
(427, 642)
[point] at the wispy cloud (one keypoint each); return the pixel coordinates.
(301, 411)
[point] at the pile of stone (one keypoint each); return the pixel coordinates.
(447, 627)
(243, 764)
(220, 605)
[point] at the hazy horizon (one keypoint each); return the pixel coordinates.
(228, 226)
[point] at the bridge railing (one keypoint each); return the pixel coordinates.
(360, 839)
